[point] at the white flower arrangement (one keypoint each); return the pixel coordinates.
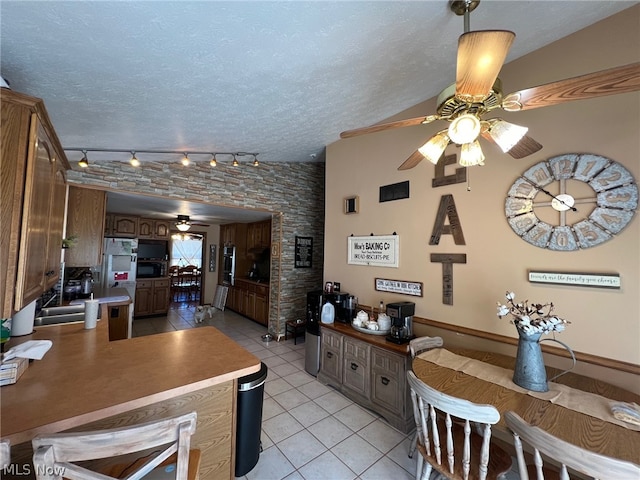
(531, 319)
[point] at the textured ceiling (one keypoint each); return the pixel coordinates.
(278, 78)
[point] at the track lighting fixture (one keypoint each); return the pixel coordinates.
(185, 157)
(84, 163)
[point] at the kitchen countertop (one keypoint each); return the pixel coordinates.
(115, 295)
(84, 377)
(377, 340)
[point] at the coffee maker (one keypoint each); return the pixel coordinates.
(401, 314)
(339, 301)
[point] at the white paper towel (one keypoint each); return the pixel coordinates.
(31, 349)
(91, 313)
(22, 322)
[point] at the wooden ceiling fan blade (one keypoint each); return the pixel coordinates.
(612, 81)
(415, 158)
(525, 147)
(388, 126)
(481, 55)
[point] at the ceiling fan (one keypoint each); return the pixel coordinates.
(478, 90)
(183, 223)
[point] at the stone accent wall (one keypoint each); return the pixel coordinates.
(292, 192)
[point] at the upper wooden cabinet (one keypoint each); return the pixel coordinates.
(129, 226)
(152, 228)
(258, 235)
(85, 221)
(32, 198)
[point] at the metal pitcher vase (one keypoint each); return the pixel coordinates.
(530, 372)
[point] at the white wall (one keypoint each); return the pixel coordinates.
(605, 322)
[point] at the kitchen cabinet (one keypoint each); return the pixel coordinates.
(152, 297)
(85, 221)
(250, 299)
(32, 197)
(258, 236)
(152, 228)
(125, 226)
(368, 370)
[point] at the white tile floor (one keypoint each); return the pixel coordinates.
(309, 431)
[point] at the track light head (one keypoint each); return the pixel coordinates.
(134, 161)
(235, 161)
(185, 160)
(213, 161)
(255, 160)
(84, 162)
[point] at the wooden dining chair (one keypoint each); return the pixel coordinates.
(446, 439)
(417, 346)
(569, 456)
(56, 455)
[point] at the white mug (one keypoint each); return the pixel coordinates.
(373, 326)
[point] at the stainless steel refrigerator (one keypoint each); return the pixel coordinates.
(229, 265)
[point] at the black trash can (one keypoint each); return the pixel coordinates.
(249, 420)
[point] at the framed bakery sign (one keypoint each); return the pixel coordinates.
(374, 250)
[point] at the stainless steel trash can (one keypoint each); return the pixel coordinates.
(249, 420)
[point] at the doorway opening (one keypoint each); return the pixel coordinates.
(185, 267)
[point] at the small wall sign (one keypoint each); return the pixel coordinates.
(212, 257)
(601, 280)
(303, 252)
(399, 286)
(379, 251)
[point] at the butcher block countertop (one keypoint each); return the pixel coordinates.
(84, 377)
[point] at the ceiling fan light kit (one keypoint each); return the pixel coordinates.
(505, 134)
(471, 155)
(478, 90)
(434, 148)
(183, 223)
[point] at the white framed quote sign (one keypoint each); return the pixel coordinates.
(374, 250)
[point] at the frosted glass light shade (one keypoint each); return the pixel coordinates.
(433, 149)
(183, 226)
(464, 129)
(506, 134)
(471, 154)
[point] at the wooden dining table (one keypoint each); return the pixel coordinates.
(580, 429)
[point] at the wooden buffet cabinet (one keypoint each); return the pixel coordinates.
(369, 370)
(32, 201)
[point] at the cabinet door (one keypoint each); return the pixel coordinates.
(265, 236)
(144, 298)
(34, 237)
(125, 226)
(331, 355)
(356, 370)
(145, 228)
(108, 225)
(160, 296)
(161, 229)
(387, 380)
(262, 309)
(85, 219)
(56, 225)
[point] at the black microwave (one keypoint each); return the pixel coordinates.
(150, 269)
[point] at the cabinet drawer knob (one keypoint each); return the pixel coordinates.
(329, 355)
(354, 366)
(384, 380)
